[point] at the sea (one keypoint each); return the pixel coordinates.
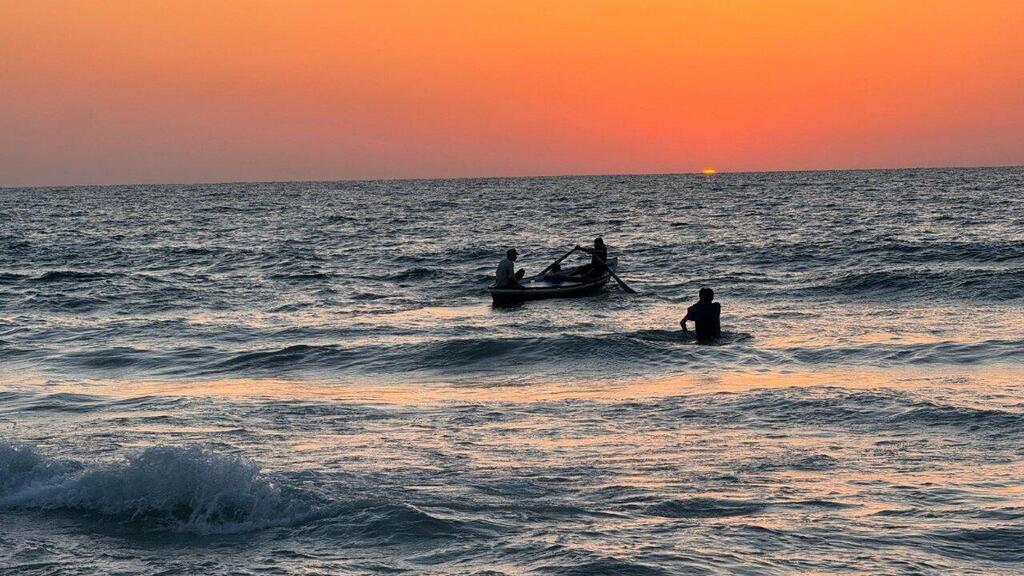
(310, 377)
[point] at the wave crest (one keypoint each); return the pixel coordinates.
(186, 489)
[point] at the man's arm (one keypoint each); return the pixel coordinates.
(684, 320)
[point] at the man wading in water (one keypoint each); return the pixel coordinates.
(705, 317)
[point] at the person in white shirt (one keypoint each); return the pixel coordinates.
(506, 276)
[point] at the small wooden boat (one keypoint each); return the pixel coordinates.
(552, 286)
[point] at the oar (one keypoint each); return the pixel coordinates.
(622, 284)
(552, 265)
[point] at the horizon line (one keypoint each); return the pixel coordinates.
(510, 177)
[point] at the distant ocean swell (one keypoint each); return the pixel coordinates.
(882, 409)
(1000, 281)
(593, 356)
(909, 284)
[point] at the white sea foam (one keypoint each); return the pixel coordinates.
(187, 489)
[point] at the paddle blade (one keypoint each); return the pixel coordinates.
(624, 287)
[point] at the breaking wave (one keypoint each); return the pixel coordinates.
(184, 489)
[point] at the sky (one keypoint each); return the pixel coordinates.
(138, 91)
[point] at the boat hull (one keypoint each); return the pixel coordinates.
(537, 289)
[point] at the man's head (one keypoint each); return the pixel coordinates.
(598, 242)
(512, 254)
(706, 294)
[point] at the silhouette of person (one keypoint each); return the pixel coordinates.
(506, 276)
(705, 316)
(554, 271)
(599, 254)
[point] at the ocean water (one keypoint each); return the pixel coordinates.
(309, 378)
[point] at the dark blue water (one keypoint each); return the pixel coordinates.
(310, 377)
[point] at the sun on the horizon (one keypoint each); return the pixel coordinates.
(709, 171)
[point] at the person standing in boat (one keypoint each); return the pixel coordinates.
(506, 275)
(705, 316)
(599, 255)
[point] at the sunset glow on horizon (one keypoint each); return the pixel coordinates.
(191, 91)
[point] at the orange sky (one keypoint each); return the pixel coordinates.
(188, 91)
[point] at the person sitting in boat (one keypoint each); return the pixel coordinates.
(705, 316)
(506, 275)
(554, 274)
(599, 255)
